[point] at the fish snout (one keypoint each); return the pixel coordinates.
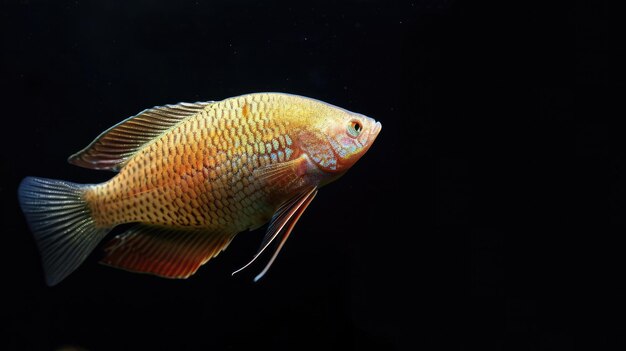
(377, 127)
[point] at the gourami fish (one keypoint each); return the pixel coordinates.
(192, 176)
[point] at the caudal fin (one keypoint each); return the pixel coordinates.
(61, 222)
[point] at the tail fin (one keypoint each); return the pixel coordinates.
(61, 222)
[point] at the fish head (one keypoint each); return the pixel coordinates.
(350, 136)
(338, 138)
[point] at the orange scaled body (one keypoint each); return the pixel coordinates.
(201, 172)
(193, 176)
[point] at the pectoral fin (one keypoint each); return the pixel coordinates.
(281, 225)
(163, 251)
(285, 172)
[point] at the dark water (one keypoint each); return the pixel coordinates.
(459, 229)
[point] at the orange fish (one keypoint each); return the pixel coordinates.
(192, 176)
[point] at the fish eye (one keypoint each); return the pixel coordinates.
(355, 128)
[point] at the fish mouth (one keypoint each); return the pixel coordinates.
(376, 130)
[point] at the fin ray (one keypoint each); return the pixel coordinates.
(282, 222)
(111, 149)
(285, 233)
(61, 223)
(165, 252)
(274, 171)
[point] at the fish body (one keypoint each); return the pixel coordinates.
(192, 176)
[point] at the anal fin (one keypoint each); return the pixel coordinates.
(165, 252)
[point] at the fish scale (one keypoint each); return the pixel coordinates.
(191, 176)
(173, 169)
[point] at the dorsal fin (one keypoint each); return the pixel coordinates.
(111, 149)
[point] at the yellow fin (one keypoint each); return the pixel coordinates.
(288, 170)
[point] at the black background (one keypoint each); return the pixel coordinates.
(481, 218)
